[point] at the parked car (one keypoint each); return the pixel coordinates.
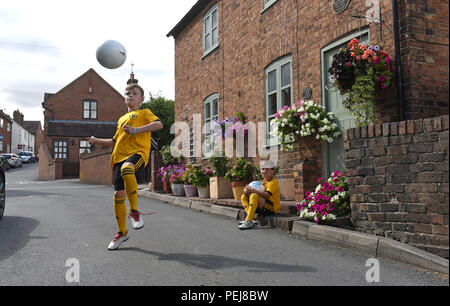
(27, 157)
(4, 165)
(13, 159)
(2, 193)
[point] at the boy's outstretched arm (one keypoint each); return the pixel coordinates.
(101, 141)
(152, 127)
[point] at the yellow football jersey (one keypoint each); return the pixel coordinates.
(128, 145)
(273, 188)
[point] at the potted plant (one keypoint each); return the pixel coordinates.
(200, 179)
(188, 178)
(360, 72)
(164, 173)
(304, 118)
(240, 174)
(330, 200)
(219, 187)
(176, 180)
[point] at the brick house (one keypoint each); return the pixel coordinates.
(258, 56)
(5, 132)
(85, 107)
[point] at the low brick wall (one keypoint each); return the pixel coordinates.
(95, 168)
(398, 181)
(49, 169)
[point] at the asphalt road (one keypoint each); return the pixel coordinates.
(57, 232)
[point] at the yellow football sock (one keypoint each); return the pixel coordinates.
(121, 215)
(253, 205)
(129, 178)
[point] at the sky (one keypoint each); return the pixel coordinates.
(46, 44)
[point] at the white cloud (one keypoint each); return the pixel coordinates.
(46, 44)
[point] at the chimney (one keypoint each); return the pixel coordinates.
(18, 117)
(132, 80)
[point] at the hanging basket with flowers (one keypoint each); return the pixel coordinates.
(304, 118)
(360, 71)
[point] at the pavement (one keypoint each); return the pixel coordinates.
(372, 245)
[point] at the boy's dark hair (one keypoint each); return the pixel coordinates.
(132, 86)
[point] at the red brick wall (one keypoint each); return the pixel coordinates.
(250, 40)
(398, 181)
(424, 31)
(95, 168)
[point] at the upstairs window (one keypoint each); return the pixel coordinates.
(89, 109)
(210, 30)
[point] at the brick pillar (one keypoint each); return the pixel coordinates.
(306, 174)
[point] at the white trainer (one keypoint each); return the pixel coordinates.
(117, 241)
(136, 219)
(246, 225)
(254, 221)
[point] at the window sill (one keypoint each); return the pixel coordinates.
(209, 52)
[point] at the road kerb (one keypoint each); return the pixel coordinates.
(411, 255)
(182, 203)
(201, 206)
(225, 211)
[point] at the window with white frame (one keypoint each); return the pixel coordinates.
(85, 147)
(60, 149)
(89, 109)
(278, 78)
(210, 30)
(210, 112)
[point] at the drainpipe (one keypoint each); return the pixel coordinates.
(398, 60)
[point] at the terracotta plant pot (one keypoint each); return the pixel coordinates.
(167, 188)
(238, 189)
(191, 191)
(178, 190)
(203, 192)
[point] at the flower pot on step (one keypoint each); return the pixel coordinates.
(167, 188)
(190, 190)
(238, 189)
(203, 192)
(178, 190)
(220, 188)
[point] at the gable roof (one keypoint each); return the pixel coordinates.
(31, 126)
(50, 97)
(193, 12)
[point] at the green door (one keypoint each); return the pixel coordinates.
(334, 153)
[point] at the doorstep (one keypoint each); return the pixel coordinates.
(284, 220)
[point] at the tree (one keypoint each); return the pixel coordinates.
(164, 109)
